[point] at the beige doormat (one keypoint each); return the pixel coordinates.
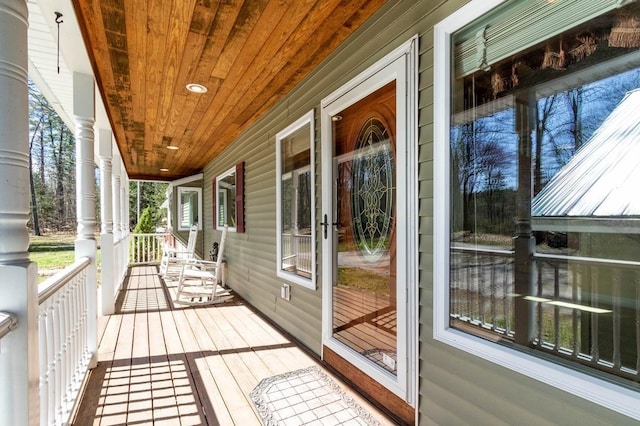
(307, 397)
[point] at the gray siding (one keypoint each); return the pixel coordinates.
(251, 256)
(454, 387)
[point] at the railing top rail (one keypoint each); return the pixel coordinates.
(587, 260)
(121, 236)
(7, 323)
(57, 281)
(499, 252)
(151, 234)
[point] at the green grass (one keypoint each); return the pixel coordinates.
(364, 280)
(52, 243)
(53, 253)
(53, 260)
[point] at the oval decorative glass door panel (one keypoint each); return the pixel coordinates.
(364, 285)
(373, 191)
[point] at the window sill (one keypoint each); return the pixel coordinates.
(298, 280)
(598, 391)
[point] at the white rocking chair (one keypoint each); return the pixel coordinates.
(199, 279)
(172, 256)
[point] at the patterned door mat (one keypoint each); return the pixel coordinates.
(307, 397)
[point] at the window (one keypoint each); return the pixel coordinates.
(536, 225)
(229, 190)
(189, 209)
(226, 184)
(295, 196)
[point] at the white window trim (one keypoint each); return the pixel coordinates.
(220, 226)
(307, 119)
(182, 189)
(373, 78)
(178, 182)
(601, 392)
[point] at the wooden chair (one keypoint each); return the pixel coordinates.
(199, 280)
(172, 256)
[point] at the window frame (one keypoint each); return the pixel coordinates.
(226, 173)
(607, 394)
(181, 190)
(306, 119)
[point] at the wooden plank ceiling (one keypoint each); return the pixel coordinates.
(248, 54)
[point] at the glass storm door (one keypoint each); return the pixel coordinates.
(364, 308)
(364, 318)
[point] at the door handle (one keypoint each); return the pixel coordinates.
(326, 225)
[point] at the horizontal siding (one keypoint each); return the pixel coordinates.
(251, 257)
(454, 387)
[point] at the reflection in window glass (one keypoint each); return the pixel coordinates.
(364, 310)
(544, 171)
(189, 208)
(295, 203)
(226, 185)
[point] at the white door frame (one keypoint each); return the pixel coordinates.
(401, 66)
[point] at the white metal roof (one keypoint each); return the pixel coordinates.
(603, 177)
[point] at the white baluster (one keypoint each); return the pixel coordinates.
(43, 362)
(51, 361)
(59, 366)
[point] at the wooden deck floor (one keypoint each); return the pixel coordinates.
(160, 364)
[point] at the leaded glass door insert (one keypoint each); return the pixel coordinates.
(364, 307)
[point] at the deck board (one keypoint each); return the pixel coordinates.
(161, 363)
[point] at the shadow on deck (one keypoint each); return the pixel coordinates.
(160, 364)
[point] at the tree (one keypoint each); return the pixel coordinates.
(146, 223)
(545, 109)
(152, 195)
(478, 160)
(52, 167)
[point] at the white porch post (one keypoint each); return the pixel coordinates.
(85, 246)
(115, 189)
(105, 146)
(124, 203)
(19, 369)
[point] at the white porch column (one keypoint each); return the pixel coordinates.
(105, 146)
(125, 214)
(124, 204)
(19, 369)
(115, 188)
(85, 246)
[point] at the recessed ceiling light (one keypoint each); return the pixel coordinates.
(173, 147)
(164, 170)
(196, 88)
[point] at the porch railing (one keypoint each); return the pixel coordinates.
(482, 287)
(7, 323)
(121, 259)
(146, 248)
(63, 341)
(296, 252)
(587, 309)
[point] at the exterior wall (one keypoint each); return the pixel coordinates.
(251, 256)
(454, 386)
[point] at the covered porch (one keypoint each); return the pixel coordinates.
(68, 337)
(159, 363)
